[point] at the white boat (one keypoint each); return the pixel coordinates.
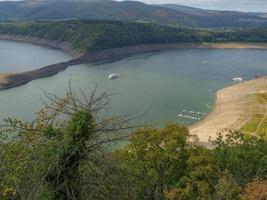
(113, 76)
(238, 79)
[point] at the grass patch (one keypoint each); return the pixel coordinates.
(251, 125)
(261, 97)
(263, 129)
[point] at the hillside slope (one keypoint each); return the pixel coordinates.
(172, 15)
(216, 18)
(94, 35)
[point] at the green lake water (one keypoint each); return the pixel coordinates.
(19, 57)
(160, 85)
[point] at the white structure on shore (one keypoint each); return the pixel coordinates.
(238, 79)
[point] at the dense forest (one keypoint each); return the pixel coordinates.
(68, 153)
(88, 36)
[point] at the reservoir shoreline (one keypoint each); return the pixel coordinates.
(8, 81)
(234, 107)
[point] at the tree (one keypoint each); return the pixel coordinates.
(227, 189)
(201, 178)
(156, 158)
(44, 159)
(245, 157)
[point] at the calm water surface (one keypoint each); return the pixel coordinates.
(161, 84)
(18, 57)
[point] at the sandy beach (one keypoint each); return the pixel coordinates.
(4, 77)
(235, 45)
(234, 106)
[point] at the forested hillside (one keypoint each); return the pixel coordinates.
(88, 35)
(98, 35)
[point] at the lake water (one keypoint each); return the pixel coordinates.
(19, 57)
(160, 84)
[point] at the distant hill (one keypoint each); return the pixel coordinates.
(216, 18)
(172, 15)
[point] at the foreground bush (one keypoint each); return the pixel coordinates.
(255, 190)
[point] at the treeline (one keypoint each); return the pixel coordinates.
(68, 153)
(234, 35)
(98, 35)
(88, 35)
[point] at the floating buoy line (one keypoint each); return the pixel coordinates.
(191, 114)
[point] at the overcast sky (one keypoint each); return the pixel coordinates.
(241, 5)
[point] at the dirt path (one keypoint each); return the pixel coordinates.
(234, 107)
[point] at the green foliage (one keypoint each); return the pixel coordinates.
(90, 36)
(168, 164)
(157, 159)
(252, 124)
(94, 35)
(244, 157)
(46, 159)
(201, 178)
(65, 174)
(227, 189)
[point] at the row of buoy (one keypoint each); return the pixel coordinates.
(194, 112)
(189, 117)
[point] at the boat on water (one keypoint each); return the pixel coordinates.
(113, 76)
